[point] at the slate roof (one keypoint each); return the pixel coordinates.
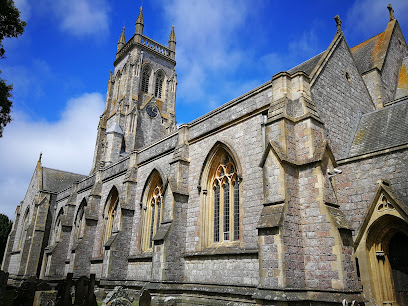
(371, 53)
(307, 66)
(381, 129)
(57, 180)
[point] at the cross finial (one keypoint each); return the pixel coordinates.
(390, 9)
(338, 23)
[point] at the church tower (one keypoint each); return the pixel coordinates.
(141, 96)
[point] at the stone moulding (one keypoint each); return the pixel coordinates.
(222, 251)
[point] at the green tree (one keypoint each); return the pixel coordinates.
(5, 228)
(10, 26)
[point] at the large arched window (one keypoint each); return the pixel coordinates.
(111, 216)
(24, 227)
(56, 236)
(159, 84)
(80, 222)
(221, 199)
(146, 78)
(153, 211)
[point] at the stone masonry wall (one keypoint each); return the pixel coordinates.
(245, 140)
(337, 101)
(225, 270)
(397, 50)
(358, 182)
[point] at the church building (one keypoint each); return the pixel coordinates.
(295, 193)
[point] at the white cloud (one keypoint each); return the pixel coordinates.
(66, 145)
(369, 17)
(205, 31)
(80, 17)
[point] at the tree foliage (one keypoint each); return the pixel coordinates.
(10, 26)
(5, 228)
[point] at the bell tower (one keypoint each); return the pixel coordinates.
(141, 96)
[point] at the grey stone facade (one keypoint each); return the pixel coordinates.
(313, 181)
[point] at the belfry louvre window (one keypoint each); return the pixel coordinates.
(152, 212)
(145, 79)
(159, 85)
(222, 207)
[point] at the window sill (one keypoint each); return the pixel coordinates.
(96, 260)
(222, 251)
(147, 256)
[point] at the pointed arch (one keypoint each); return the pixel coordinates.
(79, 221)
(152, 208)
(56, 235)
(111, 214)
(381, 239)
(219, 188)
(23, 228)
(215, 148)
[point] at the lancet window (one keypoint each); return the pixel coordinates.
(153, 211)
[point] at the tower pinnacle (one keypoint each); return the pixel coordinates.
(172, 43)
(122, 40)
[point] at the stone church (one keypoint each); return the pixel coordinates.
(295, 193)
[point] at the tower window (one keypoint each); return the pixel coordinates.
(159, 85)
(145, 79)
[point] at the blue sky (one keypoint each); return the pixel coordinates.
(60, 65)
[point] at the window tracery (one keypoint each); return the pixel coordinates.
(152, 212)
(225, 187)
(221, 200)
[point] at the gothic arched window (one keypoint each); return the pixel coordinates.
(145, 78)
(153, 208)
(111, 215)
(56, 236)
(24, 227)
(80, 222)
(222, 200)
(159, 85)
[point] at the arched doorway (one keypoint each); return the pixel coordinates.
(387, 246)
(398, 257)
